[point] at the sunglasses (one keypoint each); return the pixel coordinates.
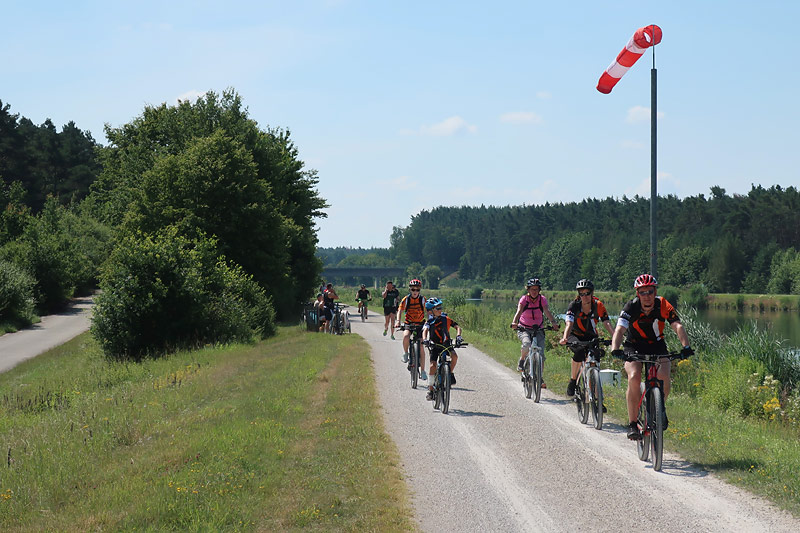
(647, 292)
(585, 293)
(437, 308)
(414, 290)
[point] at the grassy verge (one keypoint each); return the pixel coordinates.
(760, 456)
(283, 435)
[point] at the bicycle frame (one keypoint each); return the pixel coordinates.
(586, 396)
(415, 351)
(534, 365)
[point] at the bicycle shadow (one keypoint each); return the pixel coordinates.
(459, 412)
(681, 468)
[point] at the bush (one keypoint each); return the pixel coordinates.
(16, 294)
(476, 291)
(165, 292)
(696, 296)
(671, 294)
(730, 385)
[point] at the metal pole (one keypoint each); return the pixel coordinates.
(653, 180)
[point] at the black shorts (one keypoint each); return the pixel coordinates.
(578, 353)
(389, 310)
(436, 350)
(328, 314)
(656, 348)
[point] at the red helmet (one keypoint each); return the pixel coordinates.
(415, 283)
(645, 280)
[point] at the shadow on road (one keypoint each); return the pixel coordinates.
(459, 412)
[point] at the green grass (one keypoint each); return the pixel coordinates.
(282, 435)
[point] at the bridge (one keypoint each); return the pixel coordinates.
(379, 274)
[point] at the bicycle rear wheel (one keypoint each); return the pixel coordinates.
(446, 389)
(537, 375)
(414, 364)
(643, 444)
(580, 398)
(363, 313)
(596, 395)
(657, 435)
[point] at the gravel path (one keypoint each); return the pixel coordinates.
(52, 331)
(500, 462)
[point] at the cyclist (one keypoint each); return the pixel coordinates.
(414, 307)
(390, 296)
(328, 297)
(437, 331)
(582, 317)
(319, 309)
(644, 319)
(531, 309)
(362, 296)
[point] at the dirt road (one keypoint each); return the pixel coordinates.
(500, 462)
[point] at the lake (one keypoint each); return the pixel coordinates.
(785, 325)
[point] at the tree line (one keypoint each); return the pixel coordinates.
(729, 243)
(197, 225)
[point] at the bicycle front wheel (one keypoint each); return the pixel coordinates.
(581, 398)
(437, 389)
(596, 390)
(643, 444)
(537, 376)
(657, 435)
(414, 364)
(527, 380)
(446, 389)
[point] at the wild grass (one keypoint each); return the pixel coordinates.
(282, 435)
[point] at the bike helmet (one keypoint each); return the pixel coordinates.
(432, 302)
(645, 280)
(415, 283)
(363, 286)
(584, 284)
(534, 282)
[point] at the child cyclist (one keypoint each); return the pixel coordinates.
(436, 336)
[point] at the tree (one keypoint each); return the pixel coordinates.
(431, 276)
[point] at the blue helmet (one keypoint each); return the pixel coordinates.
(432, 302)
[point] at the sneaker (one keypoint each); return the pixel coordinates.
(429, 396)
(392, 336)
(604, 409)
(405, 356)
(544, 385)
(633, 431)
(385, 332)
(452, 379)
(666, 421)
(571, 388)
(423, 376)
(521, 365)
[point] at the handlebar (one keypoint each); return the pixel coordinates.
(534, 328)
(648, 358)
(410, 327)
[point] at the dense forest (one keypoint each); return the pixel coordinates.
(197, 225)
(44, 161)
(730, 243)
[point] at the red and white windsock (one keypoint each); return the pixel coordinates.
(643, 39)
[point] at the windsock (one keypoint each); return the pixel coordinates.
(643, 39)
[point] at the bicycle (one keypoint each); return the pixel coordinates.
(534, 366)
(363, 312)
(442, 383)
(341, 320)
(414, 361)
(588, 388)
(652, 411)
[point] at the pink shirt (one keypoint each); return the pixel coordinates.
(532, 315)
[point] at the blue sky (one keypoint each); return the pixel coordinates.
(406, 106)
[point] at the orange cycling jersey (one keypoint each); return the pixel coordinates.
(585, 325)
(647, 328)
(414, 308)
